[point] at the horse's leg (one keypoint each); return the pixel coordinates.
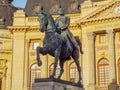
(42, 51)
(61, 68)
(75, 56)
(57, 54)
(37, 57)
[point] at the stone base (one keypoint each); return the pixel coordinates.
(54, 84)
(113, 86)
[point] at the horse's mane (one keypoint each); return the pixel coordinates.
(49, 16)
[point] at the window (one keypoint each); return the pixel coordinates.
(57, 70)
(103, 73)
(73, 73)
(35, 45)
(35, 72)
(119, 71)
(1, 45)
(102, 38)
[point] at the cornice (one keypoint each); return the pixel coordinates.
(33, 29)
(93, 17)
(74, 26)
(23, 28)
(5, 51)
(6, 36)
(100, 20)
(18, 29)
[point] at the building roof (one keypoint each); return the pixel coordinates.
(70, 6)
(6, 13)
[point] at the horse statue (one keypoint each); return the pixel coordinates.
(54, 45)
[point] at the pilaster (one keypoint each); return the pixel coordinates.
(111, 52)
(26, 67)
(91, 42)
(19, 18)
(19, 65)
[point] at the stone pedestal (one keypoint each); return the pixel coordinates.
(54, 84)
(113, 86)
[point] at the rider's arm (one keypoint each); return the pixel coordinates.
(67, 23)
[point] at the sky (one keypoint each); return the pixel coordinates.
(19, 3)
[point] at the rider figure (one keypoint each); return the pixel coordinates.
(62, 22)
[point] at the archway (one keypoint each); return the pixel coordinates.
(35, 72)
(73, 72)
(103, 74)
(57, 70)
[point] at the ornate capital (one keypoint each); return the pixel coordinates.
(91, 35)
(110, 33)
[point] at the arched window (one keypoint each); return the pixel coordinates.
(103, 73)
(35, 72)
(73, 72)
(119, 71)
(57, 70)
(0, 81)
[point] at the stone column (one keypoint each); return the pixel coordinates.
(26, 67)
(91, 41)
(111, 52)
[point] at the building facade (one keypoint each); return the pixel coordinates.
(98, 27)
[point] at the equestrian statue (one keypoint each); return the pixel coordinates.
(59, 42)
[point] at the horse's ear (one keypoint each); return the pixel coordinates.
(42, 8)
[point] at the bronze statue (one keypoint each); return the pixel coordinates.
(62, 22)
(55, 45)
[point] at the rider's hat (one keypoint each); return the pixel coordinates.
(60, 11)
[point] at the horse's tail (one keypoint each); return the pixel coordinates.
(79, 44)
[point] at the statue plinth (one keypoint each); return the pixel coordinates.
(54, 84)
(113, 85)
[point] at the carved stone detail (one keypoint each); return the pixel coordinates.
(73, 6)
(91, 35)
(54, 8)
(110, 33)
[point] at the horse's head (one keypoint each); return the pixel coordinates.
(43, 21)
(46, 22)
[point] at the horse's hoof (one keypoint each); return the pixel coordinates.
(51, 77)
(82, 52)
(39, 63)
(58, 78)
(79, 83)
